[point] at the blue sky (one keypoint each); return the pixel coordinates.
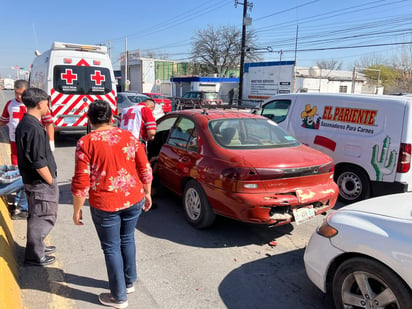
(328, 29)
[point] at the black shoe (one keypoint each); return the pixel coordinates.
(49, 249)
(20, 215)
(45, 260)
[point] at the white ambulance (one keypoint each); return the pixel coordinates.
(369, 137)
(74, 75)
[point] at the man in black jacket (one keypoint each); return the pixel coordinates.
(39, 171)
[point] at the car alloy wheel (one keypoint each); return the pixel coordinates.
(365, 283)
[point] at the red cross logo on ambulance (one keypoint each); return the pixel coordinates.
(98, 78)
(68, 76)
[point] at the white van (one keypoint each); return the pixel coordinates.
(74, 75)
(368, 136)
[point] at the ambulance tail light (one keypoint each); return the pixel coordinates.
(404, 160)
(96, 62)
(67, 60)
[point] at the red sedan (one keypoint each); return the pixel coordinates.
(162, 100)
(241, 166)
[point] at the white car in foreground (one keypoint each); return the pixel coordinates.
(362, 254)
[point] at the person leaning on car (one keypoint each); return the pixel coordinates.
(139, 120)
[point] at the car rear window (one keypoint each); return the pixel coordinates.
(250, 133)
(157, 96)
(71, 79)
(212, 96)
(137, 98)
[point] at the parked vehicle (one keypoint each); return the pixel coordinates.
(241, 166)
(199, 99)
(8, 84)
(369, 137)
(161, 99)
(126, 99)
(361, 254)
(74, 75)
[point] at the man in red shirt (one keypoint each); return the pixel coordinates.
(139, 120)
(14, 111)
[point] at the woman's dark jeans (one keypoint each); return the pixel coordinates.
(116, 234)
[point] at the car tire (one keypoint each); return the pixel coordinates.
(381, 284)
(196, 206)
(353, 183)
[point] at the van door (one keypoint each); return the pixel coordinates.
(74, 88)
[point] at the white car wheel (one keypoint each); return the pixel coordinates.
(365, 283)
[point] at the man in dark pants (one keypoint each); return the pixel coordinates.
(38, 169)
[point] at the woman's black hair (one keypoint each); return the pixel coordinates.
(99, 112)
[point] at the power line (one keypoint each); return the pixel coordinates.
(335, 48)
(286, 10)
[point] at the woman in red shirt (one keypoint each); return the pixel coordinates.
(111, 167)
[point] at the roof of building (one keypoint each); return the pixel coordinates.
(329, 74)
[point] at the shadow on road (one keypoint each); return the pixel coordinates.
(168, 221)
(53, 280)
(277, 281)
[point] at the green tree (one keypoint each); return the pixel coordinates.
(217, 50)
(387, 76)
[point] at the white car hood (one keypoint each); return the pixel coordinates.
(395, 205)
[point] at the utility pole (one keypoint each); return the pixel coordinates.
(294, 65)
(126, 85)
(243, 46)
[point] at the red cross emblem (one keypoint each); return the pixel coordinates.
(128, 116)
(69, 76)
(19, 115)
(98, 78)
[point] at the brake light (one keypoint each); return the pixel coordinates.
(327, 168)
(96, 62)
(67, 60)
(240, 173)
(404, 159)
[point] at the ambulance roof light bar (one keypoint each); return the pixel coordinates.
(79, 47)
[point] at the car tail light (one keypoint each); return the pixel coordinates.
(327, 230)
(270, 173)
(241, 179)
(67, 60)
(240, 173)
(96, 62)
(327, 168)
(404, 160)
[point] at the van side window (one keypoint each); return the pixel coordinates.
(276, 110)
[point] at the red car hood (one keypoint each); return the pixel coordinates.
(287, 157)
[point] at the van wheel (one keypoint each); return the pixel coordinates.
(196, 206)
(353, 184)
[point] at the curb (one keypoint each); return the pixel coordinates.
(10, 293)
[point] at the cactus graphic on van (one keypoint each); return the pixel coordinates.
(379, 163)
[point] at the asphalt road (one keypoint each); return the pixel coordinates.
(230, 265)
